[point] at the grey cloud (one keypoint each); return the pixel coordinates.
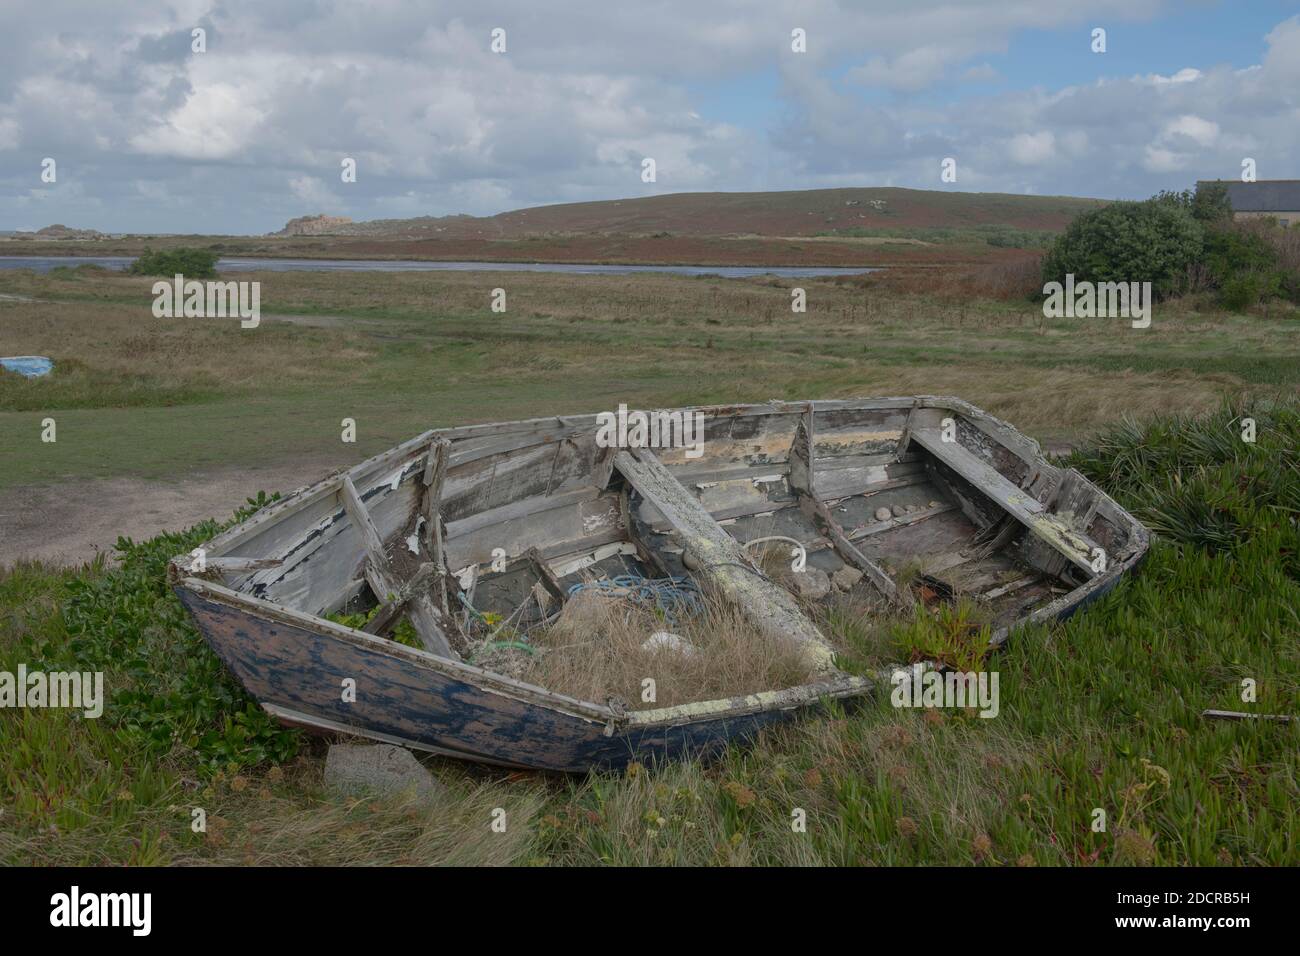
(150, 136)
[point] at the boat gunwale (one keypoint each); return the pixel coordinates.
(844, 685)
(300, 497)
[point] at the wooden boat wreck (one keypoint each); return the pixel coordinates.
(508, 510)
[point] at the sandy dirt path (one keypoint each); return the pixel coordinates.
(68, 522)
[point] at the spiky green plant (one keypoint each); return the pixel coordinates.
(1198, 480)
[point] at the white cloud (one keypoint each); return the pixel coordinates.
(216, 121)
(1157, 159)
(1033, 149)
(254, 129)
(1202, 132)
(910, 71)
(313, 192)
(1185, 75)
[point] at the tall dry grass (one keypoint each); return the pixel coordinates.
(598, 649)
(1016, 280)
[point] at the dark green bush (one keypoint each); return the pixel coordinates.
(1231, 252)
(1208, 203)
(190, 263)
(1239, 292)
(1153, 241)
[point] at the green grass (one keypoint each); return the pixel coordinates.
(1102, 711)
(143, 397)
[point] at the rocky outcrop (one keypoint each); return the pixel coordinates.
(60, 231)
(314, 226)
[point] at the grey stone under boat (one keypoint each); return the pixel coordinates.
(871, 484)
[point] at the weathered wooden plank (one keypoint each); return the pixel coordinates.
(424, 614)
(803, 483)
(572, 524)
(515, 510)
(391, 608)
(435, 473)
(762, 490)
(1244, 715)
(241, 564)
(376, 559)
(545, 576)
(997, 592)
(721, 560)
(926, 432)
(1075, 501)
(317, 543)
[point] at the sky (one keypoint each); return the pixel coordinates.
(149, 135)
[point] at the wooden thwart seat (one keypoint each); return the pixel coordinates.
(803, 484)
(720, 559)
(1077, 548)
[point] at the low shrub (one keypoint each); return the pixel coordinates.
(191, 263)
(172, 690)
(1153, 241)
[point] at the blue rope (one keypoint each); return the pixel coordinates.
(470, 608)
(667, 595)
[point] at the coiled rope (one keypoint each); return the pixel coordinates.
(669, 595)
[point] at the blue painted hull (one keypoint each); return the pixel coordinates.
(296, 670)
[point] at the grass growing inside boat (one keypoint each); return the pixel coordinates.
(1103, 711)
(603, 647)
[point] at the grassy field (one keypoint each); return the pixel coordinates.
(1101, 712)
(145, 397)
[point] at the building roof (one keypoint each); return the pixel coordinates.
(1266, 195)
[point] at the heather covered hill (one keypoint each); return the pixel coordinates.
(807, 213)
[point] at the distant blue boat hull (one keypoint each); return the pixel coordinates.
(32, 366)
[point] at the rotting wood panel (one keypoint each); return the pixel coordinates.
(433, 527)
(509, 476)
(998, 489)
(315, 566)
(424, 614)
(571, 524)
(803, 482)
(763, 490)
